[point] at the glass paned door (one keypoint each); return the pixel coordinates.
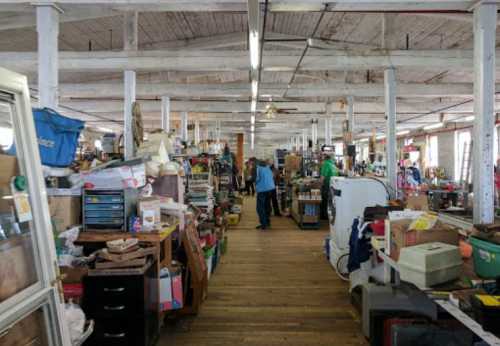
(17, 260)
(28, 266)
(29, 330)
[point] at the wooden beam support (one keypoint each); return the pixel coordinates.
(310, 108)
(237, 60)
(242, 90)
(288, 6)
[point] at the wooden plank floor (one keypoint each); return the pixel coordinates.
(271, 288)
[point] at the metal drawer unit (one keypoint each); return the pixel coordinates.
(107, 209)
(123, 309)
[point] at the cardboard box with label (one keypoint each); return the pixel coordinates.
(65, 212)
(149, 210)
(8, 169)
(401, 236)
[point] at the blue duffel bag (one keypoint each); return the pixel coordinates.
(57, 137)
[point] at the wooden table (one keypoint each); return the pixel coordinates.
(161, 240)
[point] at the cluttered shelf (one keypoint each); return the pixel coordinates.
(442, 297)
(411, 270)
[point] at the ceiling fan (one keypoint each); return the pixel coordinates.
(271, 110)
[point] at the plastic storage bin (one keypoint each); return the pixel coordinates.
(486, 258)
(430, 264)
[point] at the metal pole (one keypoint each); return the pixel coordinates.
(485, 21)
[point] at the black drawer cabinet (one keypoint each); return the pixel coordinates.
(122, 308)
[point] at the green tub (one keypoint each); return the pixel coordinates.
(486, 258)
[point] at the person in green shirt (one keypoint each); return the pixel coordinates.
(328, 170)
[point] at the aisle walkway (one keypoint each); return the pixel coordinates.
(272, 288)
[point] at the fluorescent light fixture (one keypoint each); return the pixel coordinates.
(254, 49)
(252, 119)
(255, 89)
(380, 137)
(433, 126)
(253, 106)
(105, 129)
(402, 133)
(469, 118)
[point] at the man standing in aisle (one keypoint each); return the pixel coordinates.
(264, 184)
(328, 170)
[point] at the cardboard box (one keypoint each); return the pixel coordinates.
(148, 207)
(65, 212)
(418, 202)
(402, 237)
(170, 284)
(292, 163)
(8, 168)
(73, 275)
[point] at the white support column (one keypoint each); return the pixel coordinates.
(314, 133)
(390, 109)
(130, 43)
(165, 113)
(304, 140)
(129, 99)
(184, 126)
(350, 113)
(197, 132)
(217, 131)
(485, 21)
(130, 32)
(47, 26)
(388, 39)
(328, 124)
(327, 129)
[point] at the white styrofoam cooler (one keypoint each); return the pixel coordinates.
(430, 264)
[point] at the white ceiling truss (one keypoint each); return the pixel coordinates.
(197, 53)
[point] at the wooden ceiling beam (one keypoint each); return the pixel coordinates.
(224, 60)
(242, 90)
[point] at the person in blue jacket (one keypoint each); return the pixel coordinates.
(264, 185)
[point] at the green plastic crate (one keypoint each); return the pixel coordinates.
(486, 258)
